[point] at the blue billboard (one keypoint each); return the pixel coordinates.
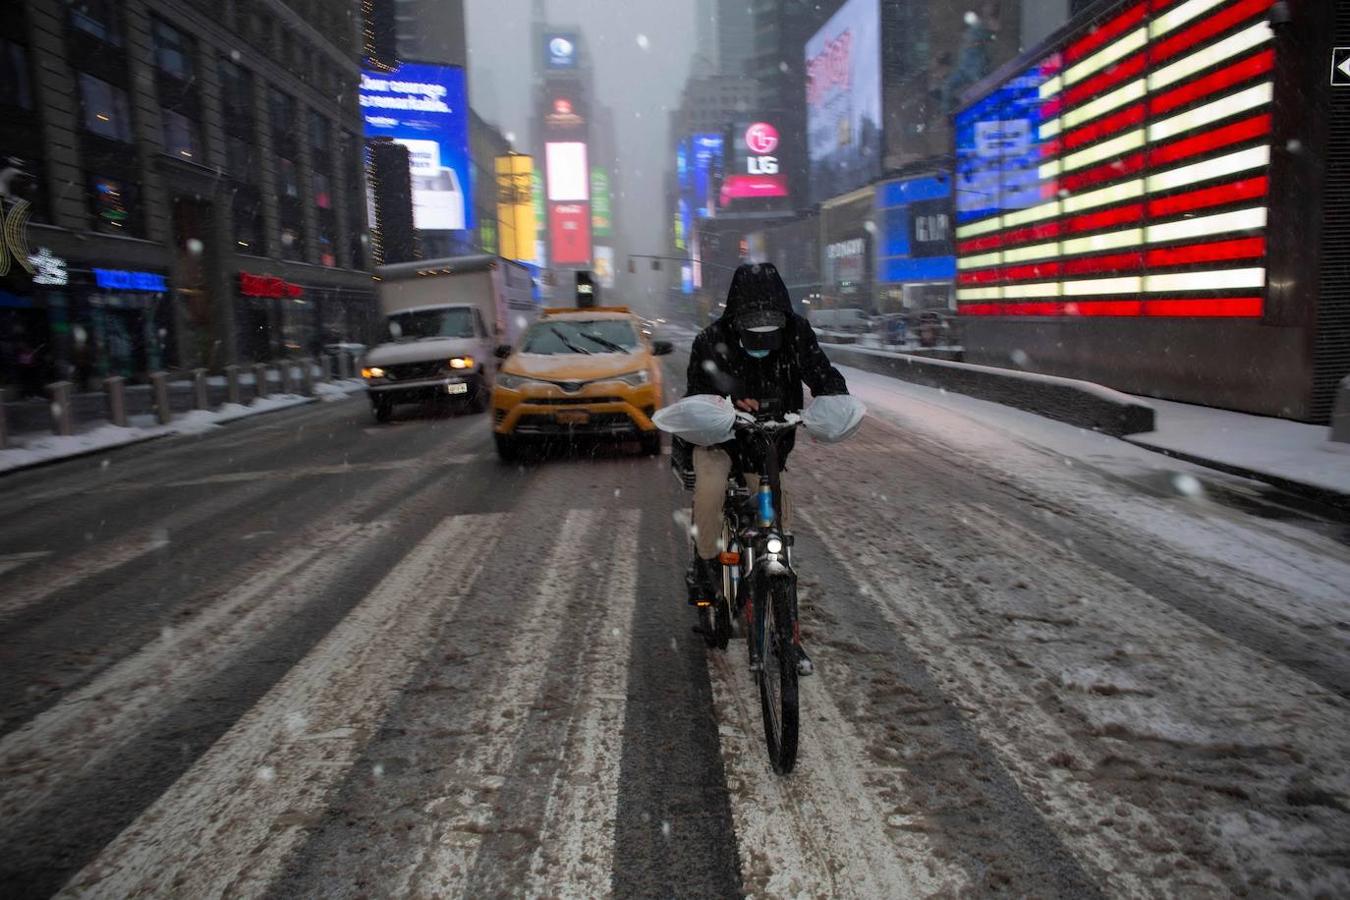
(915, 240)
(998, 148)
(705, 164)
(425, 107)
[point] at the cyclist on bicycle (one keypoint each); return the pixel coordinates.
(758, 352)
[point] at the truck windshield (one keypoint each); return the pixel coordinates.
(432, 323)
(580, 336)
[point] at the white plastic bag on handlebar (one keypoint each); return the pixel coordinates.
(833, 418)
(703, 419)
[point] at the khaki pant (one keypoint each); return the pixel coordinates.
(712, 468)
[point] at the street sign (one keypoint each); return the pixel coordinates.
(1340, 67)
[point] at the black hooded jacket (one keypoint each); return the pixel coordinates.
(719, 365)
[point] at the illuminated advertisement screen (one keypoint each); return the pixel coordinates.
(566, 170)
(704, 163)
(569, 229)
(603, 266)
(1125, 174)
(560, 51)
(602, 223)
(843, 100)
(753, 168)
(425, 108)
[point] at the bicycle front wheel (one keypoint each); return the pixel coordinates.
(778, 676)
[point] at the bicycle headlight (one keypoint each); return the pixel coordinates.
(774, 544)
(636, 379)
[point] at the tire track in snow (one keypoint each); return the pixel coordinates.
(819, 831)
(227, 827)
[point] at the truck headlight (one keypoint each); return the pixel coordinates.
(372, 372)
(461, 362)
(636, 379)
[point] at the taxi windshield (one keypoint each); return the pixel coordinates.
(581, 336)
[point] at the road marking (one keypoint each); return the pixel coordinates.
(294, 472)
(12, 561)
(228, 825)
(51, 579)
(575, 856)
(101, 718)
(447, 852)
(820, 832)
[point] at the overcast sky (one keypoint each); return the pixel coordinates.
(641, 51)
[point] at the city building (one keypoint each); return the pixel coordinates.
(432, 31)
(183, 184)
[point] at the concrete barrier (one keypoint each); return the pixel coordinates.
(4, 426)
(200, 398)
(116, 389)
(63, 416)
(1340, 412)
(1080, 403)
(307, 377)
(159, 388)
(260, 386)
(232, 393)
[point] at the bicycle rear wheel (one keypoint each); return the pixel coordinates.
(778, 676)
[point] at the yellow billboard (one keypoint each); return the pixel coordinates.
(515, 206)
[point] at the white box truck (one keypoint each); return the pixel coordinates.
(444, 320)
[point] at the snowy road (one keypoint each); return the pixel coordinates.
(307, 656)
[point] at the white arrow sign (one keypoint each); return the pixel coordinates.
(1340, 66)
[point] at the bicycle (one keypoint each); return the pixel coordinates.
(759, 584)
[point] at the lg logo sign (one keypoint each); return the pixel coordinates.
(761, 139)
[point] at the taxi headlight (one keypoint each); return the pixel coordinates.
(372, 372)
(515, 382)
(461, 362)
(636, 379)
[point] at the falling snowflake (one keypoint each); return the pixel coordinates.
(643, 42)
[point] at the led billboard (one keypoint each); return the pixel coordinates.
(1124, 174)
(603, 266)
(560, 51)
(843, 100)
(566, 171)
(602, 222)
(753, 164)
(704, 163)
(425, 108)
(569, 228)
(515, 207)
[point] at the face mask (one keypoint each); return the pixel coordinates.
(757, 354)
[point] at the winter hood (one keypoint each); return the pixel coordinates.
(756, 286)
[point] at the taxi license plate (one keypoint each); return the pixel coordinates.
(573, 417)
(459, 388)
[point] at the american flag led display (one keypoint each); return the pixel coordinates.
(1125, 174)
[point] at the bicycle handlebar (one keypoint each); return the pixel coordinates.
(748, 422)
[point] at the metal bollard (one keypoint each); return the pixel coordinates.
(260, 386)
(344, 364)
(63, 421)
(116, 388)
(1340, 412)
(307, 377)
(329, 365)
(4, 425)
(286, 373)
(232, 393)
(159, 387)
(200, 398)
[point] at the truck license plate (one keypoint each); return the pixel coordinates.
(459, 388)
(574, 417)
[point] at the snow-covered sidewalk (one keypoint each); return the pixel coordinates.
(30, 450)
(1271, 449)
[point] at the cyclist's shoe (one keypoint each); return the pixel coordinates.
(702, 579)
(804, 665)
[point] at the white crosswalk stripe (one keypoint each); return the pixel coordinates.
(228, 825)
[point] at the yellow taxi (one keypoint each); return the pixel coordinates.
(578, 373)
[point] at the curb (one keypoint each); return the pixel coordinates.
(1316, 493)
(143, 439)
(1080, 403)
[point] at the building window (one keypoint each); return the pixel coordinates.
(282, 111)
(16, 87)
(180, 135)
(98, 18)
(237, 95)
(291, 245)
(106, 111)
(241, 159)
(173, 50)
(288, 178)
(248, 222)
(114, 204)
(320, 133)
(323, 197)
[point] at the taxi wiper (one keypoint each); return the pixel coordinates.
(570, 346)
(604, 342)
